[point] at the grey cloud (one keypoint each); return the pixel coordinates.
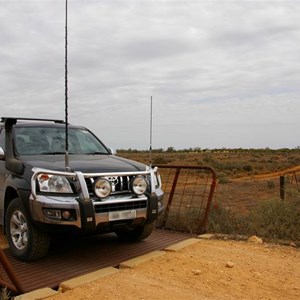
(221, 73)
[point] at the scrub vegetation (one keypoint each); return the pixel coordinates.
(231, 163)
(247, 201)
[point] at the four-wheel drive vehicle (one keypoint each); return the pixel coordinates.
(43, 191)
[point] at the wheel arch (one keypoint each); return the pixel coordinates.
(12, 193)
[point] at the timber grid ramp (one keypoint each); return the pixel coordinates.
(188, 192)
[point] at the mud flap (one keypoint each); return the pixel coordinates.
(152, 211)
(88, 222)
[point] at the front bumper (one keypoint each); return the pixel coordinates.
(88, 215)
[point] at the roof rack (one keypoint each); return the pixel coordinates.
(13, 120)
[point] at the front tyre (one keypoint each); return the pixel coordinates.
(135, 234)
(25, 240)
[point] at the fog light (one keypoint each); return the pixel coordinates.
(66, 214)
(52, 213)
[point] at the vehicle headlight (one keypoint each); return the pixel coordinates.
(54, 184)
(139, 185)
(102, 187)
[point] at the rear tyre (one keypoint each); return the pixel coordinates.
(25, 240)
(135, 234)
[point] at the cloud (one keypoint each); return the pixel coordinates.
(221, 73)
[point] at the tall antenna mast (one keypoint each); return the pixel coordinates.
(150, 150)
(67, 166)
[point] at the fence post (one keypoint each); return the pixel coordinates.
(282, 187)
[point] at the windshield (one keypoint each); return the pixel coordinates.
(51, 140)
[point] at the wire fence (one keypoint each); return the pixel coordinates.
(243, 195)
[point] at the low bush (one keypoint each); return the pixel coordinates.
(223, 179)
(160, 160)
(276, 219)
(271, 184)
(223, 220)
(273, 219)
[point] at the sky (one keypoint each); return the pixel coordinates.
(221, 74)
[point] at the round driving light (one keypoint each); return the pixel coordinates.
(102, 187)
(139, 185)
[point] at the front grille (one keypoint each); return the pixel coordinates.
(105, 208)
(120, 184)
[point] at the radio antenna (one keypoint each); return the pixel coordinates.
(150, 149)
(67, 166)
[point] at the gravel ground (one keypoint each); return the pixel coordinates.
(209, 269)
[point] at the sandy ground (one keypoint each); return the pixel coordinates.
(209, 269)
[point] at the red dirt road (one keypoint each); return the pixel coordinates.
(209, 269)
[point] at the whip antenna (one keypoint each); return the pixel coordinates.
(150, 149)
(67, 166)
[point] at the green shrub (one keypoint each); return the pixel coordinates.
(276, 219)
(223, 179)
(271, 184)
(273, 219)
(160, 160)
(292, 194)
(223, 220)
(182, 156)
(247, 168)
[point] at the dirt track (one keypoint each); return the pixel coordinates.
(268, 175)
(209, 269)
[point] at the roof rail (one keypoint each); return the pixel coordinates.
(13, 120)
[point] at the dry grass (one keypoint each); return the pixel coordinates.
(5, 294)
(232, 163)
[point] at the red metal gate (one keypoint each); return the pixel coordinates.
(189, 192)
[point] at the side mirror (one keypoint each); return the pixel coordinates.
(2, 154)
(112, 151)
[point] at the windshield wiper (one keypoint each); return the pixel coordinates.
(95, 153)
(52, 153)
